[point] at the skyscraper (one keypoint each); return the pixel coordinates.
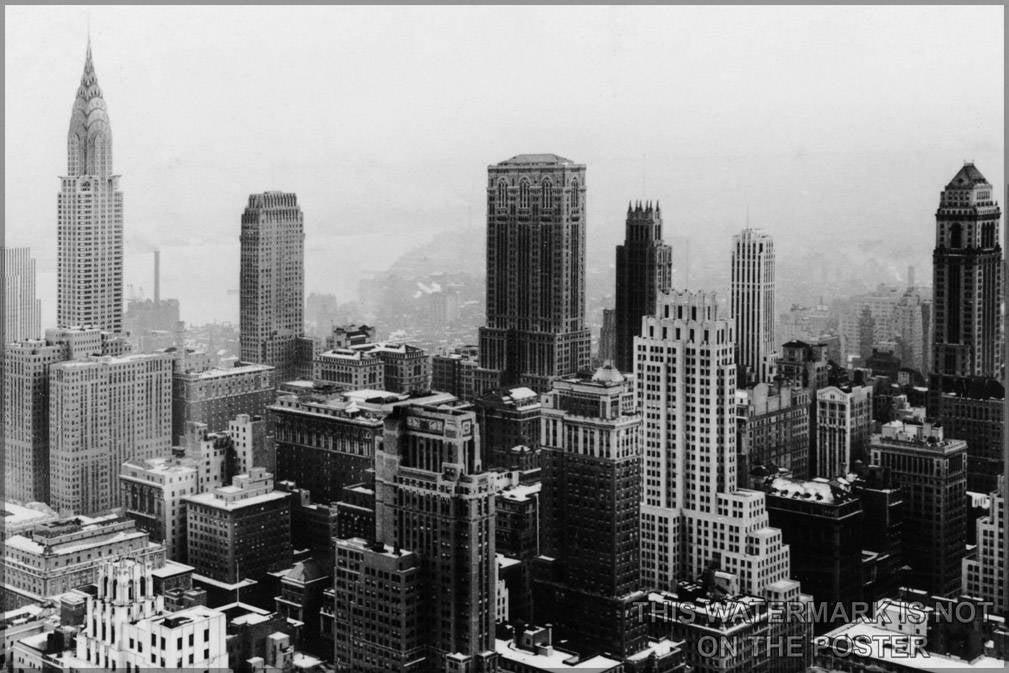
(433, 498)
(22, 310)
(90, 218)
(967, 279)
(692, 514)
(753, 304)
(591, 501)
(931, 472)
(272, 283)
(644, 268)
(535, 273)
(103, 412)
(965, 387)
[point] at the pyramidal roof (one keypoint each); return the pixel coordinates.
(967, 176)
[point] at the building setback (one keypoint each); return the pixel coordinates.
(644, 268)
(981, 576)
(90, 218)
(535, 327)
(693, 515)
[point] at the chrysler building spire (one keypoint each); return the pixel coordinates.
(90, 217)
(89, 141)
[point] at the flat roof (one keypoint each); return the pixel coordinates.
(556, 660)
(210, 499)
(882, 644)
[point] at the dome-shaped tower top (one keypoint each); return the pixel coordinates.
(608, 374)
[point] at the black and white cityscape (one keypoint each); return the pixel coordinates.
(738, 409)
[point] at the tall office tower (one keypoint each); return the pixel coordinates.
(90, 218)
(984, 575)
(433, 498)
(272, 282)
(753, 304)
(965, 387)
(644, 268)
(692, 514)
(931, 471)
(26, 418)
(591, 503)
(215, 395)
(967, 279)
(843, 427)
(26, 404)
(535, 273)
(101, 413)
(377, 609)
(22, 310)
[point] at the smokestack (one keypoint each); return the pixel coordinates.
(910, 276)
(157, 277)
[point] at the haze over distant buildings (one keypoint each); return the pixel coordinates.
(798, 146)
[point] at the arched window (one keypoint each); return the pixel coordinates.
(524, 194)
(574, 193)
(547, 194)
(502, 193)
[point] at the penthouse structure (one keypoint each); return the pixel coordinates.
(58, 556)
(932, 473)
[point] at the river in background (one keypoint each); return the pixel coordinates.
(204, 277)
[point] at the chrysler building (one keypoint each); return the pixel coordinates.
(90, 217)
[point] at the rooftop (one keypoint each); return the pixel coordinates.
(887, 645)
(212, 500)
(966, 177)
(553, 659)
(533, 159)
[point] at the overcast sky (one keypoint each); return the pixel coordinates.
(383, 120)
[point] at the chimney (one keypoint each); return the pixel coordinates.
(910, 276)
(157, 277)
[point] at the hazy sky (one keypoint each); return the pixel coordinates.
(824, 121)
